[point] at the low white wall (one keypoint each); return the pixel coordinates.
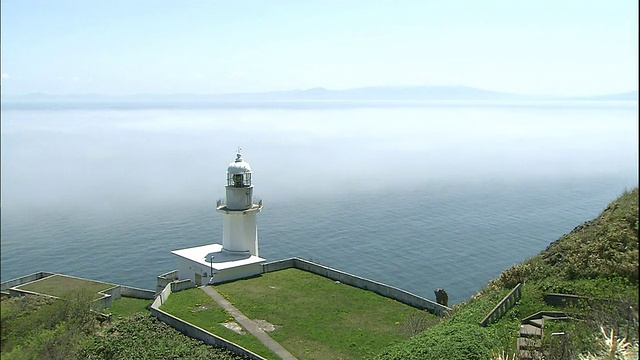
(115, 292)
(137, 293)
(202, 335)
(108, 295)
(19, 292)
(165, 279)
(24, 279)
(181, 285)
(102, 303)
(105, 301)
(195, 331)
(278, 265)
(237, 273)
(359, 282)
(161, 297)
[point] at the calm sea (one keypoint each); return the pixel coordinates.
(419, 197)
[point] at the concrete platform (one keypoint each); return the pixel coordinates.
(211, 264)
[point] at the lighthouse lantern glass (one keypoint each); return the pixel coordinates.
(239, 179)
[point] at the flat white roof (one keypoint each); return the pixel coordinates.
(221, 259)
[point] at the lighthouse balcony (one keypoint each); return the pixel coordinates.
(256, 205)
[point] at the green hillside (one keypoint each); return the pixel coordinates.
(597, 260)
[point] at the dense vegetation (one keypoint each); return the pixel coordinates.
(141, 336)
(598, 260)
(35, 327)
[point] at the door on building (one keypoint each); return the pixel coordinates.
(198, 280)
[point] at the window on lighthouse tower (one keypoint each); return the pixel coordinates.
(237, 180)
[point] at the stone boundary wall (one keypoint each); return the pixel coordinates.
(195, 331)
(359, 282)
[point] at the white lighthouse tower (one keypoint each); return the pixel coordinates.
(239, 229)
(237, 257)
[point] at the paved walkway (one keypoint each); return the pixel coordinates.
(248, 324)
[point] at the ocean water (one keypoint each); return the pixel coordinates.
(436, 195)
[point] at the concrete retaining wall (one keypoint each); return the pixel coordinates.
(137, 293)
(165, 279)
(161, 297)
(181, 285)
(109, 295)
(19, 292)
(562, 300)
(359, 282)
(195, 331)
(202, 335)
(23, 280)
(102, 303)
(278, 265)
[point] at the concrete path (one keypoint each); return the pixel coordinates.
(248, 324)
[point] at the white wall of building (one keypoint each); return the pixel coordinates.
(188, 269)
(239, 272)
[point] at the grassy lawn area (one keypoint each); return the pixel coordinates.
(196, 307)
(57, 285)
(126, 306)
(317, 318)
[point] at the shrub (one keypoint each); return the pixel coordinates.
(448, 341)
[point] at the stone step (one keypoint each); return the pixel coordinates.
(558, 318)
(539, 323)
(529, 343)
(529, 331)
(529, 355)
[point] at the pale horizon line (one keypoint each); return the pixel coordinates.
(318, 88)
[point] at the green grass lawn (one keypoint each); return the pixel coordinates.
(58, 285)
(126, 306)
(317, 318)
(196, 307)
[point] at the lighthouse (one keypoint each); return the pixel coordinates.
(239, 228)
(237, 257)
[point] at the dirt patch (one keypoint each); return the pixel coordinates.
(233, 326)
(265, 325)
(202, 307)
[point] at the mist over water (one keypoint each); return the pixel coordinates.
(417, 197)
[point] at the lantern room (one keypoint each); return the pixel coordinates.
(239, 173)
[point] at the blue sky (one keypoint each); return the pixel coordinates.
(210, 47)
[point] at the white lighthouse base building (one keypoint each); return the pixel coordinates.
(211, 264)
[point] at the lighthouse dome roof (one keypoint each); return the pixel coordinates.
(239, 166)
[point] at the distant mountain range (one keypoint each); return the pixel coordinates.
(381, 93)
